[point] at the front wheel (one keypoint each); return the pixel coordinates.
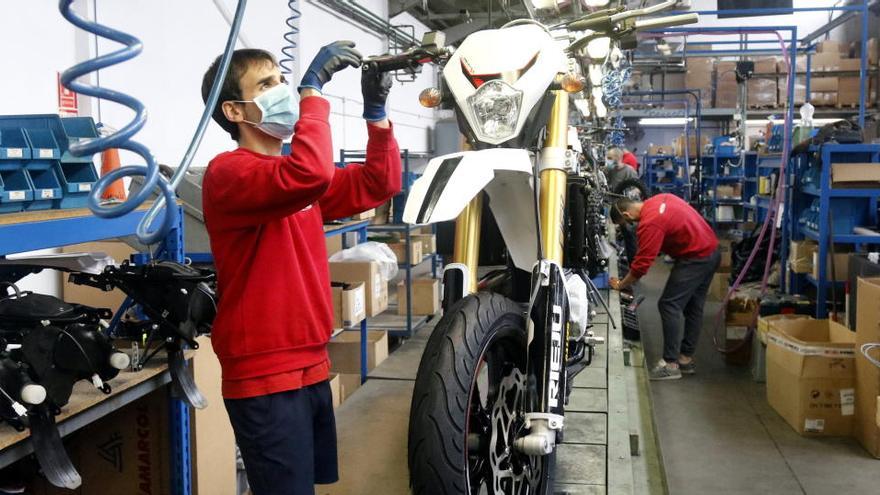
(469, 393)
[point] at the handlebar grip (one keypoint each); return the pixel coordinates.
(602, 23)
(668, 21)
(388, 64)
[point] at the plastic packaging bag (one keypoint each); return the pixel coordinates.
(578, 305)
(371, 251)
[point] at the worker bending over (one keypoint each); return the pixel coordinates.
(667, 223)
(264, 212)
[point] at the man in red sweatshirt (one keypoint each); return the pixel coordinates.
(264, 212)
(667, 223)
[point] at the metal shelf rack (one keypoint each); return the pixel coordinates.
(808, 188)
(20, 232)
(395, 325)
(680, 185)
(723, 169)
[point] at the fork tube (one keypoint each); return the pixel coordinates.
(467, 239)
(553, 179)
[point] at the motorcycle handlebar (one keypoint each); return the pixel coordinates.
(408, 60)
(669, 21)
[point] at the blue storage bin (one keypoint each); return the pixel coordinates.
(15, 187)
(43, 169)
(78, 174)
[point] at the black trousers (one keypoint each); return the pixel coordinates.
(287, 440)
(682, 301)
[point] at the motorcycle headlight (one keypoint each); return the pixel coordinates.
(496, 107)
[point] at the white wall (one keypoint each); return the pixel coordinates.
(180, 40)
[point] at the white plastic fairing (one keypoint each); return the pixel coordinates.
(529, 62)
(451, 181)
(510, 199)
(33, 394)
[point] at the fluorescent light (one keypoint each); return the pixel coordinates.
(665, 121)
(794, 122)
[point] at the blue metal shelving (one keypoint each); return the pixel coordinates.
(667, 173)
(805, 191)
(723, 169)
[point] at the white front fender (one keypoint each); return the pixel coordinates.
(451, 181)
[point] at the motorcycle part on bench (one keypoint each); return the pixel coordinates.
(67, 262)
(50, 451)
(59, 357)
(17, 393)
(27, 310)
(177, 297)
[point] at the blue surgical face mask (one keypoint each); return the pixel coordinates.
(279, 112)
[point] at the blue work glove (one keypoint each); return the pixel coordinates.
(375, 86)
(330, 59)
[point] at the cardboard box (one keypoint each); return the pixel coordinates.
(855, 175)
(699, 75)
(765, 66)
(821, 84)
(725, 249)
(348, 384)
(382, 214)
(832, 46)
(825, 61)
(428, 242)
(800, 258)
(364, 215)
(126, 452)
(867, 429)
(349, 303)
(333, 244)
(811, 376)
(719, 287)
(873, 48)
(415, 252)
(767, 323)
(426, 296)
(850, 64)
(213, 447)
(692, 148)
(726, 192)
(656, 149)
(375, 287)
(335, 389)
(841, 266)
(849, 92)
(345, 351)
(826, 99)
(800, 90)
(91, 296)
(741, 311)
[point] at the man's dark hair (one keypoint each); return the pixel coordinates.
(617, 209)
(241, 60)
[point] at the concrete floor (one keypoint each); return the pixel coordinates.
(718, 434)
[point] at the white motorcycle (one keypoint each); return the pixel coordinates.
(488, 404)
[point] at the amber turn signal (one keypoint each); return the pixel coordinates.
(572, 83)
(430, 97)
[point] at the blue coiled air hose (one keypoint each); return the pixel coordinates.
(290, 37)
(122, 138)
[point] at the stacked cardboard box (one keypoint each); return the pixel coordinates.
(375, 287)
(345, 358)
(678, 145)
(726, 90)
(763, 90)
(349, 303)
(800, 82)
(800, 258)
(699, 76)
(823, 91)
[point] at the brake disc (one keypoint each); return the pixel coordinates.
(507, 476)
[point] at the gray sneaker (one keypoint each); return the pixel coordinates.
(664, 372)
(688, 369)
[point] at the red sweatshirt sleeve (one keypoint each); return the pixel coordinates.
(357, 187)
(253, 189)
(650, 241)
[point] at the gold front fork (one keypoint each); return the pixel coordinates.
(467, 239)
(554, 178)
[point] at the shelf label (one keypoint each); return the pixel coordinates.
(16, 195)
(85, 187)
(44, 153)
(14, 152)
(47, 194)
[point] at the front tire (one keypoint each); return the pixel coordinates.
(470, 388)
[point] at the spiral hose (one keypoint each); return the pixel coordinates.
(290, 37)
(122, 138)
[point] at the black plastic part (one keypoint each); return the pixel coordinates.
(182, 378)
(453, 287)
(548, 348)
(50, 452)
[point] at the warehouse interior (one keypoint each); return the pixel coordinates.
(446, 220)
